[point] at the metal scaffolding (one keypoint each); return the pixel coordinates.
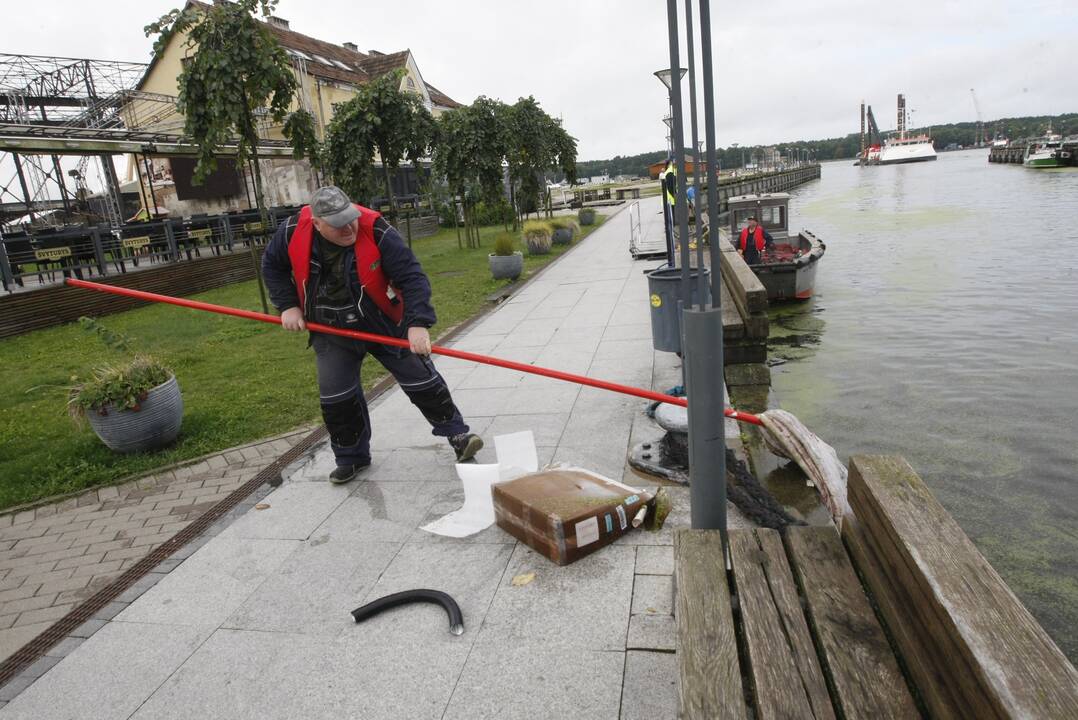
(52, 107)
(55, 94)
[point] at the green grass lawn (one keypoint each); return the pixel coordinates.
(241, 380)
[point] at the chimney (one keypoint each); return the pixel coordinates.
(278, 22)
(375, 52)
(350, 46)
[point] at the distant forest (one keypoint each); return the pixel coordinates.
(964, 134)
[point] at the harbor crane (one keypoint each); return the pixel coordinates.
(982, 140)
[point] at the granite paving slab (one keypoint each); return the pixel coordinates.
(524, 682)
(584, 605)
(211, 584)
(109, 675)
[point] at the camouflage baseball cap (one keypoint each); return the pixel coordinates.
(333, 206)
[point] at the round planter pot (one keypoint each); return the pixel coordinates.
(506, 267)
(155, 424)
(563, 236)
(587, 217)
(538, 245)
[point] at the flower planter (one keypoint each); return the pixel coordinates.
(563, 236)
(155, 424)
(587, 216)
(538, 244)
(506, 267)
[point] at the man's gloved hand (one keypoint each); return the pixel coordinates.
(419, 340)
(292, 319)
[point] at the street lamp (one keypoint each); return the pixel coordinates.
(666, 78)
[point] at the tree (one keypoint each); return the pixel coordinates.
(472, 144)
(381, 119)
(537, 142)
(234, 72)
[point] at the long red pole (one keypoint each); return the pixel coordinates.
(385, 340)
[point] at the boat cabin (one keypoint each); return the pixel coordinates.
(771, 210)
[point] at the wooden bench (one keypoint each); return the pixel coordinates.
(790, 631)
(972, 648)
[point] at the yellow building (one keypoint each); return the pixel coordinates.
(327, 73)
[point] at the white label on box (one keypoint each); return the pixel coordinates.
(587, 531)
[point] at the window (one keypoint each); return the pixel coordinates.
(772, 217)
(322, 60)
(298, 53)
(342, 66)
(410, 83)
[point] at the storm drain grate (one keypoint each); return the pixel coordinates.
(59, 630)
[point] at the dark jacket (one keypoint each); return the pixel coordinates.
(398, 262)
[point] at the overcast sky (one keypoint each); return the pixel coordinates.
(784, 69)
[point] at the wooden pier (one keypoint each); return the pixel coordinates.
(897, 616)
(768, 182)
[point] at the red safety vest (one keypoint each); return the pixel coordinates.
(368, 262)
(758, 236)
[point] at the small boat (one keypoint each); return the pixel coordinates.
(788, 270)
(1046, 152)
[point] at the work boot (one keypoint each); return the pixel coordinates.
(466, 445)
(344, 473)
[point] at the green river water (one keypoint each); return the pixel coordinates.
(945, 329)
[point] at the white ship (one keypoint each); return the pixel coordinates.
(905, 148)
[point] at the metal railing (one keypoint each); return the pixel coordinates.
(48, 255)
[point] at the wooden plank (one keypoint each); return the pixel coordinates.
(710, 678)
(732, 326)
(785, 673)
(864, 675)
(1003, 657)
(926, 665)
(749, 293)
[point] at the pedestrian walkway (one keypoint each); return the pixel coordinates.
(57, 555)
(255, 623)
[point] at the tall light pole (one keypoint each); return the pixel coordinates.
(666, 78)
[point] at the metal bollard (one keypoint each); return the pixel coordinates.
(702, 357)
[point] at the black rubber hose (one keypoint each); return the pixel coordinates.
(456, 619)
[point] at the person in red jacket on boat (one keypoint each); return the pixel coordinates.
(340, 264)
(753, 241)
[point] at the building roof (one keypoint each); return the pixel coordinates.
(440, 98)
(334, 62)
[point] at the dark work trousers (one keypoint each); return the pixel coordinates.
(752, 255)
(344, 408)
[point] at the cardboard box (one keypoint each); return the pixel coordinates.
(566, 513)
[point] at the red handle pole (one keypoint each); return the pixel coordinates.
(384, 340)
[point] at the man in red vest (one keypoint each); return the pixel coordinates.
(752, 242)
(340, 264)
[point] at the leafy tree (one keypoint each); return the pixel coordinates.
(381, 119)
(234, 72)
(537, 143)
(473, 142)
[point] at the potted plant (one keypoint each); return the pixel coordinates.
(505, 263)
(133, 405)
(538, 235)
(587, 216)
(565, 229)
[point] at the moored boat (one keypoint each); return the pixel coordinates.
(1046, 152)
(787, 270)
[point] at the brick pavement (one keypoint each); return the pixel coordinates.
(55, 556)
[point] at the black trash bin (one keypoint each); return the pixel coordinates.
(664, 287)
